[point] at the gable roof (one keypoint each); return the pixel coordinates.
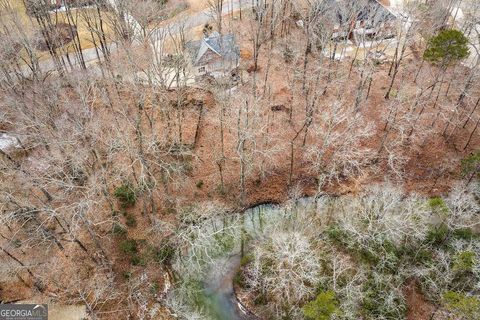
(376, 12)
(370, 11)
(222, 46)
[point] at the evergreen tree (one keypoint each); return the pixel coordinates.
(446, 48)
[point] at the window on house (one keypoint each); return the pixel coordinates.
(201, 69)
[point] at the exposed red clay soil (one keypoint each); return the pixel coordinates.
(14, 291)
(417, 307)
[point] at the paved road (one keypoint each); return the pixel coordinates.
(173, 27)
(205, 16)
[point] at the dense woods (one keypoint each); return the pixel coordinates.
(126, 167)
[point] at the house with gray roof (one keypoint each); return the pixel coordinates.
(359, 21)
(215, 55)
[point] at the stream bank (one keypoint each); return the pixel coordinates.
(209, 266)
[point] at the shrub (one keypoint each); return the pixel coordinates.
(367, 256)
(464, 261)
(17, 243)
(260, 299)
(118, 230)
(382, 300)
(379, 253)
(322, 308)
(126, 195)
(138, 261)
(437, 234)
(225, 242)
(154, 288)
(186, 166)
(221, 190)
(438, 205)
(288, 54)
(239, 280)
(467, 307)
(336, 234)
(246, 259)
(471, 164)
(416, 254)
(200, 184)
(131, 221)
(394, 93)
(129, 246)
(164, 254)
(464, 233)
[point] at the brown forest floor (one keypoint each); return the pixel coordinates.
(433, 165)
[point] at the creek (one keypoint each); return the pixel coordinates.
(219, 301)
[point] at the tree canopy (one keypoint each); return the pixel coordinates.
(448, 47)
